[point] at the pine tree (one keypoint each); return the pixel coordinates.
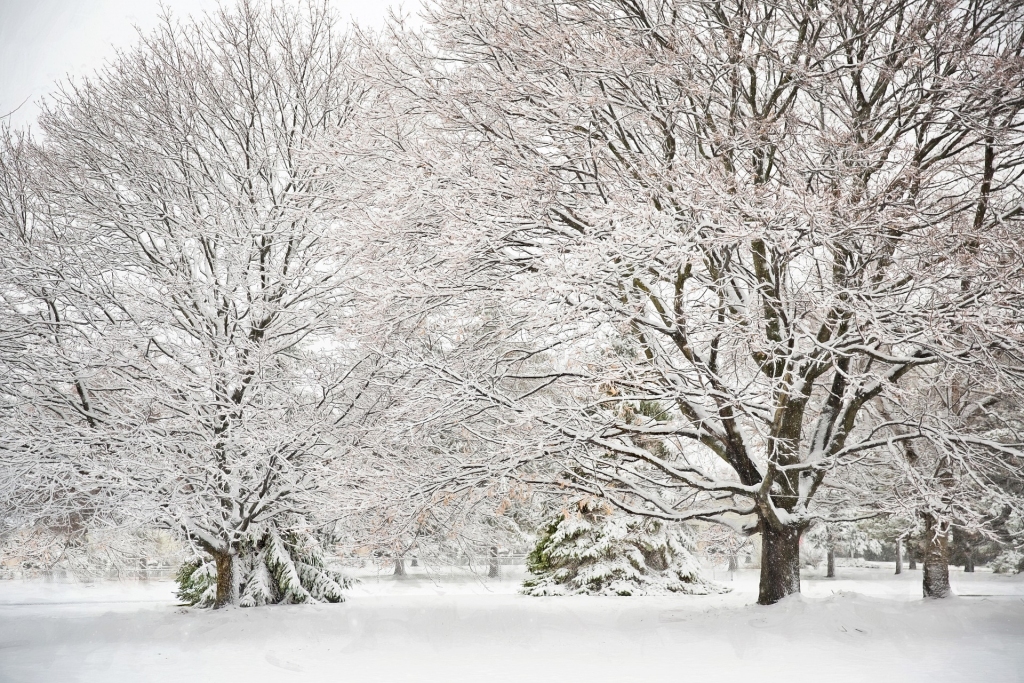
(598, 551)
(274, 568)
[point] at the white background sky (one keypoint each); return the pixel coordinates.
(43, 41)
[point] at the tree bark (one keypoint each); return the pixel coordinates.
(899, 555)
(969, 561)
(780, 563)
(830, 567)
(399, 567)
(936, 558)
(226, 593)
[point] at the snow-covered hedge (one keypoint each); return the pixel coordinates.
(597, 551)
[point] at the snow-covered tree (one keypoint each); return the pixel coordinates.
(1009, 561)
(242, 388)
(844, 538)
(595, 549)
(716, 543)
(771, 220)
(957, 491)
(273, 568)
(47, 424)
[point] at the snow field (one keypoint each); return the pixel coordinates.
(460, 628)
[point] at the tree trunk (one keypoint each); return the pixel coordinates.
(780, 563)
(494, 571)
(226, 593)
(899, 555)
(936, 558)
(830, 567)
(969, 561)
(733, 564)
(399, 567)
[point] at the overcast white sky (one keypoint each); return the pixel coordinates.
(42, 41)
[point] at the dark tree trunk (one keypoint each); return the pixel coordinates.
(899, 555)
(225, 563)
(830, 567)
(936, 558)
(962, 543)
(399, 567)
(494, 571)
(780, 563)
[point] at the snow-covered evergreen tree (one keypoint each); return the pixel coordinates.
(600, 551)
(273, 568)
(1010, 561)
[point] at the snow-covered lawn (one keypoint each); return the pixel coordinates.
(867, 625)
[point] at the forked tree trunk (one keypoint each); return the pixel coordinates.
(936, 558)
(780, 563)
(899, 555)
(830, 567)
(226, 593)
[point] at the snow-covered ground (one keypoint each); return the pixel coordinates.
(867, 625)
